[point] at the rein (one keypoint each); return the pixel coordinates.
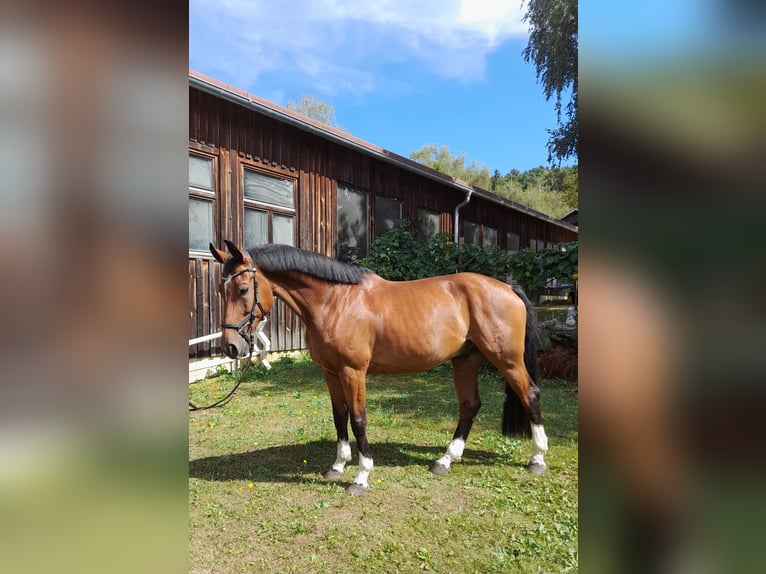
(244, 328)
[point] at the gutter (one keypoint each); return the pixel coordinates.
(456, 218)
(389, 157)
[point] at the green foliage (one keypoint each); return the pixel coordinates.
(552, 48)
(396, 255)
(552, 191)
(533, 270)
(439, 158)
(316, 109)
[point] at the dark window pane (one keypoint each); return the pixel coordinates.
(471, 232)
(428, 225)
(352, 224)
(387, 212)
(269, 189)
(200, 224)
(490, 236)
(512, 242)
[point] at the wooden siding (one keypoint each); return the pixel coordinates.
(237, 137)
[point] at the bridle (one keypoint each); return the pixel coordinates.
(244, 328)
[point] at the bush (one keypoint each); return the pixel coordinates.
(396, 255)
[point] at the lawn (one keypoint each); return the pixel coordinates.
(257, 502)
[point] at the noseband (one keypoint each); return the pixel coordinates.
(246, 324)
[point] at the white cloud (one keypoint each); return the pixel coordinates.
(336, 44)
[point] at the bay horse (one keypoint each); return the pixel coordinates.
(358, 323)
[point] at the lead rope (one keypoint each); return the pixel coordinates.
(238, 377)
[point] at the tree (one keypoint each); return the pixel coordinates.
(550, 190)
(316, 109)
(552, 47)
(439, 158)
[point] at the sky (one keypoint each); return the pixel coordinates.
(399, 74)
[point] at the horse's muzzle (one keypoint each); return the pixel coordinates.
(236, 347)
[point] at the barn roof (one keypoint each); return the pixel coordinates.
(222, 90)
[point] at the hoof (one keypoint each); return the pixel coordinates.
(439, 469)
(357, 489)
(332, 474)
(536, 469)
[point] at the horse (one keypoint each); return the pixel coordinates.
(358, 323)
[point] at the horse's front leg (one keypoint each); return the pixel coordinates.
(353, 383)
(465, 371)
(340, 417)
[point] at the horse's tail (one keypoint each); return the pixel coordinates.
(516, 419)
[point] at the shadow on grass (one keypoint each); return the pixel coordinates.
(286, 463)
(428, 395)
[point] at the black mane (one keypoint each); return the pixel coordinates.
(286, 258)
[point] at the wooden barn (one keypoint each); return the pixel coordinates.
(259, 173)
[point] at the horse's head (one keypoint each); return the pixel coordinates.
(246, 297)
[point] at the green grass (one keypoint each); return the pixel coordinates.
(258, 503)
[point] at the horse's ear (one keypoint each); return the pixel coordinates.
(234, 250)
(219, 255)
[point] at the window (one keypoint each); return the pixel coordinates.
(489, 237)
(388, 211)
(353, 221)
(471, 232)
(269, 209)
(535, 245)
(201, 203)
(200, 173)
(512, 241)
(269, 190)
(428, 225)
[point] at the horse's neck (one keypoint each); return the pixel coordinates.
(299, 291)
(285, 296)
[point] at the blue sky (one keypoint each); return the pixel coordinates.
(399, 74)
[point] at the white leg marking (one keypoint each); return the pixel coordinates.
(365, 468)
(343, 456)
(540, 441)
(454, 452)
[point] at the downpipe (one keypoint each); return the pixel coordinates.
(456, 217)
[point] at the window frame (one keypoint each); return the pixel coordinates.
(270, 209)
(209, 195)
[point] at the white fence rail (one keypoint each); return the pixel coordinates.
(199, 368)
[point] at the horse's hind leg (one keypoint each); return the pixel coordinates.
(465, 370)
(536, 463)
(528, 393)
(340, 417)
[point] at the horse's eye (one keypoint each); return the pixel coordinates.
(244, 289)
